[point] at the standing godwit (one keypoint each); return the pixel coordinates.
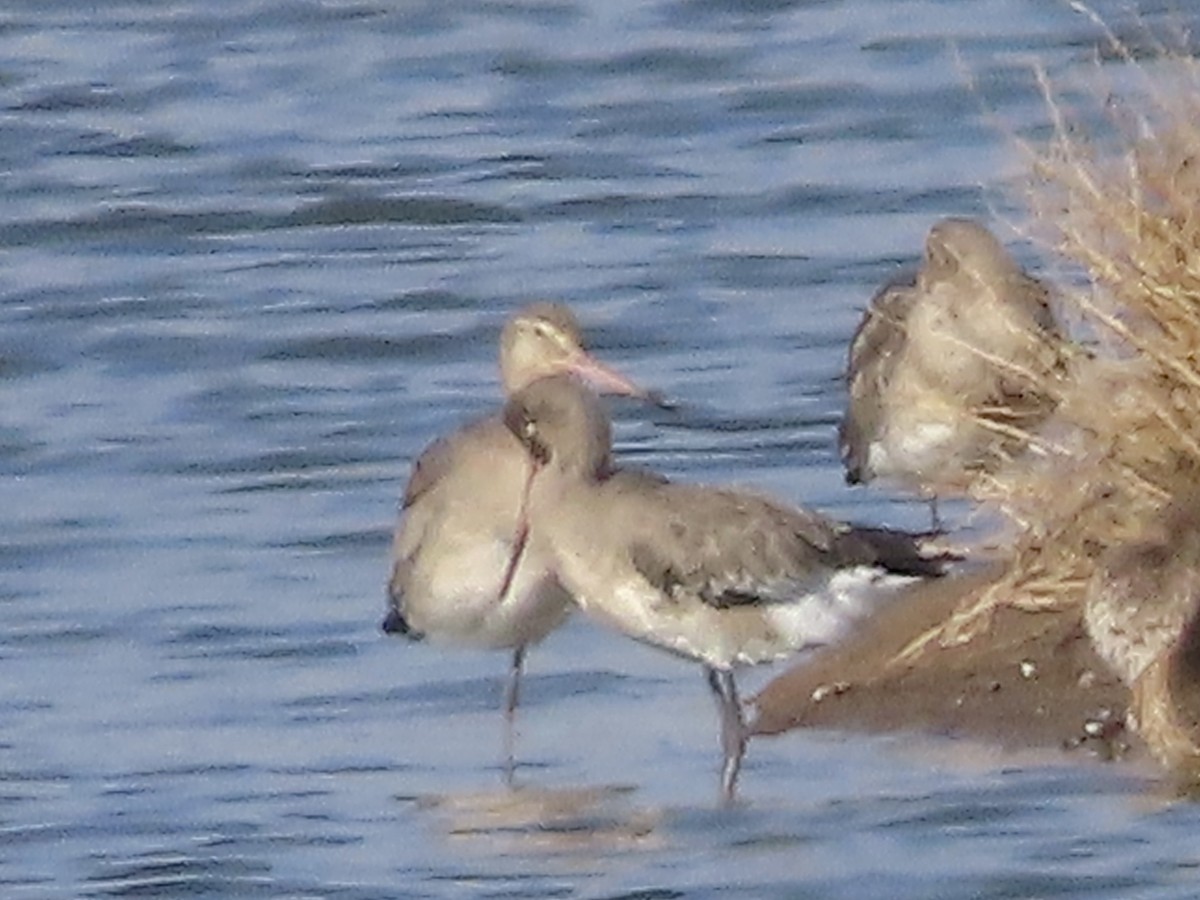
(455, 575)
(723, 577)
(949, 370)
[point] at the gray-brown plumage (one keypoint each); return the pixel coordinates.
(719, 576)
(1141, 612)
(949, 366)
(455, 575)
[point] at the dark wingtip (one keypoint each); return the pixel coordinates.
(852, 462)
(395, 623)
(904, 553)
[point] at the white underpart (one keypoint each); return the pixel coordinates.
(918, 448)
(466, 607)
(742, 634)
(826, 616)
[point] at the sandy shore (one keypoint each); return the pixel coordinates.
(1031, 680)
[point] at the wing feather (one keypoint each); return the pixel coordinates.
(727, 548)
(875, 349)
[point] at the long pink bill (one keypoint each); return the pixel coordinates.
(607, 380)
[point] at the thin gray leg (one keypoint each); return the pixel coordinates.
(733, 729)
(512, 696)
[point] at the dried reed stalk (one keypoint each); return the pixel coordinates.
(1116, 192)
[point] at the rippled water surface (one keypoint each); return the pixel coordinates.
(254, 256)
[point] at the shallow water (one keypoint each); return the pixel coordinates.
(255, 257)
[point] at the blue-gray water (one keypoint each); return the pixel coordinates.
(253, 257)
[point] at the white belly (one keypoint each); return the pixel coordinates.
(457, 598)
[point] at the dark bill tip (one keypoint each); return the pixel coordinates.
(661, 401)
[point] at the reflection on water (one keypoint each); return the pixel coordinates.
(540, 820)
(256, 258)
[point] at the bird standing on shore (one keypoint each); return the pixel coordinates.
(950, 368)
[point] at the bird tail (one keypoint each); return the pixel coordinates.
(921, 554)
(395, 621)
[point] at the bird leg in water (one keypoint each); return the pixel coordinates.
(512, 695)
(934, 516)
(733, 729)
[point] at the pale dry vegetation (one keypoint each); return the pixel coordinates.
(1115, 192)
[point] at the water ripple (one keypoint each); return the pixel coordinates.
(257, 256)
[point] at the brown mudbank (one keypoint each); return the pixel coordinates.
(1031, 679)
(1124, 444)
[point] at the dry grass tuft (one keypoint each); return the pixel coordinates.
(1116, 192)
